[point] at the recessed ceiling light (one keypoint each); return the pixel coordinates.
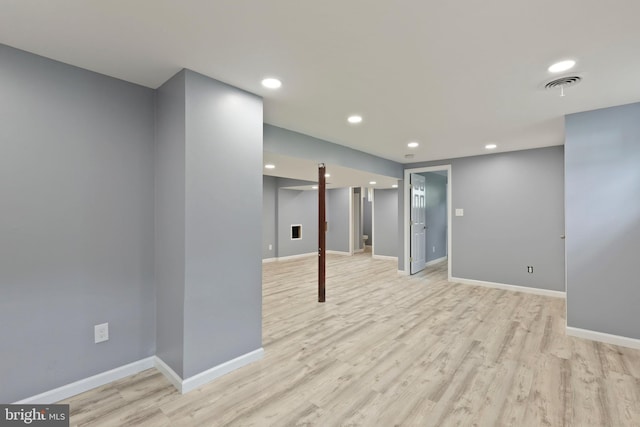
(326, 175)
(561, 66)
(372, 182)
(271, 83)
(269, 166)
(490, 146)
(394, 186)
(412, 144)
(354, 119)
(315, 187)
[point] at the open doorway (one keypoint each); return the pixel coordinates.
(357, 241)
(427, 218)
(367, 219)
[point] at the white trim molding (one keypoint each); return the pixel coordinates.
(406, 240)
(385, 257)
(339, 253)
(169, 373)
(192, 383)
(603, 337)
(435, 261)
(514, 288)
(290, 257)
(86, 384)
(267, 260)
(209, 375)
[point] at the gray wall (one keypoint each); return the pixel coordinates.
(385, 222)
(297, 207)
(436, 215)
(294, 144)
(337, 215)
(513, 217)
(223, 271)
(602, 178)
(269, 216)
(366, 218)
(76, 246)
(170, 220)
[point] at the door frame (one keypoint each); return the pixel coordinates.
(417, 218)
(407, 210)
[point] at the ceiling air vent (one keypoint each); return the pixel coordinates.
(563, 82)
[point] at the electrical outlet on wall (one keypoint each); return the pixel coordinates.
(101, 332)
(434, 249)
(270, 246)
(529, 269)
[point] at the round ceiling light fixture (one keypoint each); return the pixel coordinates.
(327, 175)
(372, 183)
(413, 144)
(394, 186)
(561, 66)
(271, 83)
(269, 166)
(491, 146)
(355, 119)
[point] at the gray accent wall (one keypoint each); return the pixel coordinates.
(76, 223)
(169, 221)
(513, 217)
(436, 215)
(223, 271)
(602, 178)
(210, 290)
(385, 222)
(269, 216)
(297, 207)
(337, 216)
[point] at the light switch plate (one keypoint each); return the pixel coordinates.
(459, 212)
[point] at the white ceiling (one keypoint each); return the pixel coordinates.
(452, 75)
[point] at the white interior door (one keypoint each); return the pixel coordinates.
(418, 223)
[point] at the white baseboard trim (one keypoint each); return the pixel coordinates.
(525, 289)
(358, 251)
(191, 383)
(435, 261)
(603, 337)
(339, 253)
(169, 373)
(290, 257)
(209, 375)
(386, 257)
(266, 260)
(402, 272)
(86, 384)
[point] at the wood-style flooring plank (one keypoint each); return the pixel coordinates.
(387, 349)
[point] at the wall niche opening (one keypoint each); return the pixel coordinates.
(296, 231)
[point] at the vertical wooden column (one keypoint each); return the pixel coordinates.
(322, 229)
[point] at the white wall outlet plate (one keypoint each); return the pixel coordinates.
(459, 212)
(101, 332)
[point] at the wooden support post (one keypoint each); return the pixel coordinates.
(322, 229)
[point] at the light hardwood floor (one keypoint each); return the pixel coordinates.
(388, 350)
